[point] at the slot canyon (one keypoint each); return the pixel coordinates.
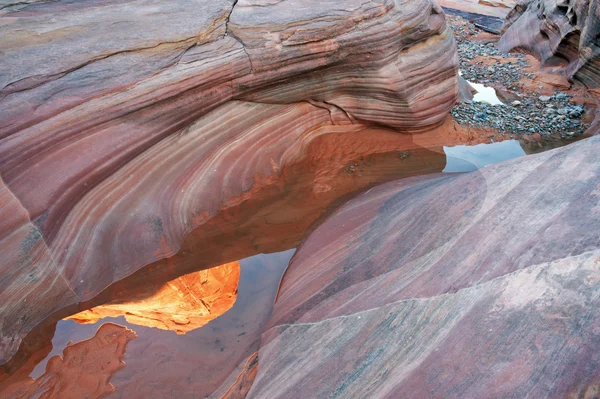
(236, 199)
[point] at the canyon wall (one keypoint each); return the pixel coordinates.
(129, 126)
(450, 285)
(563, 34)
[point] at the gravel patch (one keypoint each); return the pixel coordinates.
(526, 116)
(531, 113)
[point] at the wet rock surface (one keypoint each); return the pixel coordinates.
(181, 305)
(83, 371)
(204, 362)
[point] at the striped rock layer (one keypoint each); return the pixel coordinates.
(484, 284)
(563, 34)
(127, 125)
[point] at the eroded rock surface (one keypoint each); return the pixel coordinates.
(126, 126)
(563, 34)
(457, 286)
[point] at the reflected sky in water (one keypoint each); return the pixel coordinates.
(464, 158)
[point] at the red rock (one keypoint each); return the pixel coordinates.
(127, 126)
(563, 35)
(180, 305)
(458, 286)
(242, 385)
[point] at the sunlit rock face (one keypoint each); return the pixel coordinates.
(453, 286)
(127, 126)
(180, 305)
(563, 34)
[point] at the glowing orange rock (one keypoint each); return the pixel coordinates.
(181, 305)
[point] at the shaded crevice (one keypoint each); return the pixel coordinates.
(229, 33)
(229, 16)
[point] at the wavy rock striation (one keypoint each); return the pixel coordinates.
(457, 286)
(127, 125)
(563, 34)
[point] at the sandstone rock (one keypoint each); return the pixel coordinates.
(466, 92)
(126, 126)
(457, 286)
(562, 34)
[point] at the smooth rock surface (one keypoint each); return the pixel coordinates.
(484, 284)
(126, 125)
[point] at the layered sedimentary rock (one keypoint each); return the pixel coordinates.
(458, 286)
(563, 34)
(127, 126)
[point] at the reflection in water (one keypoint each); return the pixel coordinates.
(464, 158)
(485, 94)
(180, 305)
(162, 364)
(82, 370)
(206, 362)
(269, 218)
